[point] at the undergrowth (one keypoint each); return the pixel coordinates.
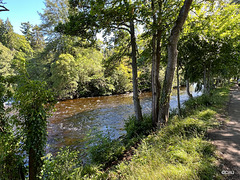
(178, 151)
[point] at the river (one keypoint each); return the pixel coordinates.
(73, 119)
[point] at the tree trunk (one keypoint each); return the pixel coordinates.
(205, 82)
(155, 101)
(208, 81)
(156, 56)
(32, 165)
(136, 101)
(188, 89)
(172, 61)
(178, 91)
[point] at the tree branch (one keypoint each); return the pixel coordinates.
(122, 28)
(4, 8)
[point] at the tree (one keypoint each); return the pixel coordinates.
(6, 56)
(33, 35)
(64, 76)
(209, 44)
(15, 42)
(117, 62)
(111, 15)
(158, 17)
(33, 103)
(11, 153)
(6, 34)
(156, 53)
(55, 12)
(38, 42)
(172, 60)
(26, 29)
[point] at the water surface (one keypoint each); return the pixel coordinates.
(73, 119)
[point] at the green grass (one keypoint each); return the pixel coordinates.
(178, 151)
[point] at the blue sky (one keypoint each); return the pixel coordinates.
(22, 11)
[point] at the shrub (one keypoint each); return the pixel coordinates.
(136, 128)
(103, 150)
(65, 165)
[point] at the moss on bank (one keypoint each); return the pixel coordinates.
(181, 150)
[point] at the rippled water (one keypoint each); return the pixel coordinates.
(74, 119)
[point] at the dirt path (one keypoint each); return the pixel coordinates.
(227, 139)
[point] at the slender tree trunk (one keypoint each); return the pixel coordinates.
(172, 61)
(178, 91)
(32, 165)
(210, 78)
(205, 84)
(136, 101)
(188, 89)
(154, 78)
(156, 56)
(208, 81)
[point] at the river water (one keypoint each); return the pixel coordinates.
(74, 119)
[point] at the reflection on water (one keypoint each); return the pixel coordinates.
(74, 119)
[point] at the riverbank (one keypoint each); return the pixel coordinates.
(181, 150)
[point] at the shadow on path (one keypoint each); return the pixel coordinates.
(227, 139)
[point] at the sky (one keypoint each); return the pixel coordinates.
(22, 11)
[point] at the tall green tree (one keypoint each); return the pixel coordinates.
(109, 15)
(172, 60)
(26, 29)
(55, 12)
(11, 153)
(6, 57)
(209, 44)
(34, 36)
(33, 102)
(64, 76)
(7, 34)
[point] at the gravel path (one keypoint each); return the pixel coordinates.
(227, 139)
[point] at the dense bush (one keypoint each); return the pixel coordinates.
(65, 165)
(103, 149)
(136, 128)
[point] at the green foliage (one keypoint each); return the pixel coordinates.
(6, 57)
(65, 165)
(137, 129)
(33, 103)
(11, 155)
(144, 78)
(90, 72)
(13, 41)
(56, 11)
(64, 76)
(209, 45)
(104, 150)
(33, 35)
(215, 99)
(121, 78)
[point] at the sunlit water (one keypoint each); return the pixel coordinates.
(74, 119)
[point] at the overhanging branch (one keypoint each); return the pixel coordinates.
(4, 8)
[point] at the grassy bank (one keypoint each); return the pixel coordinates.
(178, 151)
